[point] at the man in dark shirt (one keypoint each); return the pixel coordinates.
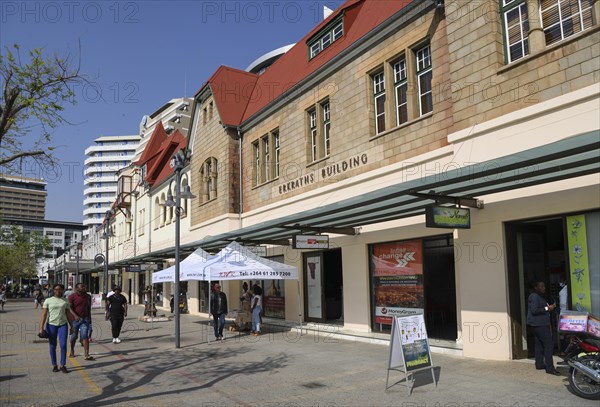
(116, 306)
(80, 303)
(538, 318)
(218, 308)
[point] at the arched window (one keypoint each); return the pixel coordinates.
(208, 180)
(163, 210)
(157, 213)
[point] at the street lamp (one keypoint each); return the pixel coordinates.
(106, 235)
(178, 162)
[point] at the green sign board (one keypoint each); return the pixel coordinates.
(447, 217)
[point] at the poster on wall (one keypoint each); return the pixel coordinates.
(313, 285)
(274, 298)
(397, 270)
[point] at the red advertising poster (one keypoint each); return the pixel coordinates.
(397, 270)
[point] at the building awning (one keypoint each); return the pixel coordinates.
(569, 158)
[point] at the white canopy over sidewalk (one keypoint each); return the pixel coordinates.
(187, 268)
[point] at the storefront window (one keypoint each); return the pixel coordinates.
(397, 281)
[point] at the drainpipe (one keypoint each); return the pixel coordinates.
(241, 189)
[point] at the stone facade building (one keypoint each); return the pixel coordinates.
(384, 115)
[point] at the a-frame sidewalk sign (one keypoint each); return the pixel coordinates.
(409, 349)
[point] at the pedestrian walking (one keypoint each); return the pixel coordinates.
(39, 299)
(117, 311)
(2, 297)
(218, 309)
(80, 303)
(55, 322)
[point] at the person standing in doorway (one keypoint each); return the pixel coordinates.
(57, 314)
(117, 311)
(80, 303)
(256, 308)
(538, 318)
(218, 309)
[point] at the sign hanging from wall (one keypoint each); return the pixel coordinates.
(447, 217)
(310, 241)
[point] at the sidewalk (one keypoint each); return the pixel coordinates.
(276, 369)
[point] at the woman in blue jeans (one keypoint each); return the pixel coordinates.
(57, 314)
(256, 310)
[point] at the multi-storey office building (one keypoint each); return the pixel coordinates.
(22, 197)
(107, 156)
(380, 112)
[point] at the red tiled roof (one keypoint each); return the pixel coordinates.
(239, 94)
(231, 89)
(158, 153)
(360, 17)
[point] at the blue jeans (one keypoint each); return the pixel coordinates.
(256, 318)
(61, 332)
(83, 327)
(219, 323)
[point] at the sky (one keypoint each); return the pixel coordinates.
(138, 55)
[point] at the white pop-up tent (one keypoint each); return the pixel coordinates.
(234, 262)
(188, 268)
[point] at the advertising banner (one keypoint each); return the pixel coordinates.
(274, 299)
(579, 270)
(397, 270)
(573, 321)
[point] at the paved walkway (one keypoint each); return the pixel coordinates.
(276, 369)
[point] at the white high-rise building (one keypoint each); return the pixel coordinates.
(104, 159)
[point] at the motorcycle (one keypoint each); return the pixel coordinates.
(583, 357)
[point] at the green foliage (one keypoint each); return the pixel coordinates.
(34, 93)
(20, 252)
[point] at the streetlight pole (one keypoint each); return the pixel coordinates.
(106, 235)
(178, 162)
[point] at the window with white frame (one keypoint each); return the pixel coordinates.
(277, 151)
(424, 77)
(379, 97)
(266, 155)
(319, 130)
(323, 39)
(516, 28)
(157, 213)
(563, 18)
(141, 222)
(266, 167)
(401, 87)
(312, 120)
(326, 127)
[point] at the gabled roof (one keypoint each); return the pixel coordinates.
(239, 95)
(231, 89)
(360, 17)
(158, 153)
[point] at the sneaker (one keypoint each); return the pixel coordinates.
(114, 340)
(64, 369)
(55, 369)
(117, 340)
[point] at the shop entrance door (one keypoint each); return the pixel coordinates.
(323, 286)
(535, 252)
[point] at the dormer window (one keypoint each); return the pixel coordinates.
(324, 38)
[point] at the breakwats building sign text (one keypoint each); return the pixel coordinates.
(324, 173)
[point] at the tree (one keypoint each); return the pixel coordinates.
(34, 93)
(20, 252)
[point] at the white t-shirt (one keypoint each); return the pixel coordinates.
(259, 302)
(562, 297)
